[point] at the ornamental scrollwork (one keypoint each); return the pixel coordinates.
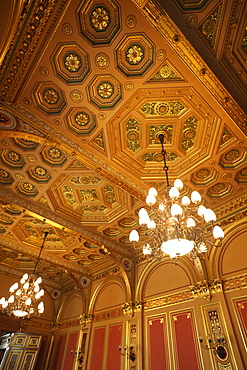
(206, 288)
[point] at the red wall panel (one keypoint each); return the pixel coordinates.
(157, 345)
(185, 341)
(114, 358)
(60, 352)
(242, 309)
(69, 359)
(98, 348)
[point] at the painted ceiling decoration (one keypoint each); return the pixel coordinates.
(86, 88)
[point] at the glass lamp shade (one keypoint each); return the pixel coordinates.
(218, 232)
(38, 281)
(150, 200)
(185, 201)
(191, 222)
(173, 192)
(144, 220)
(134, 236)
(151, 225)
(152, 191)
(177, 247)
(20, 313)
(176, 210)
(178, 184)
(209, 215)
(196, 197)
(201, 210)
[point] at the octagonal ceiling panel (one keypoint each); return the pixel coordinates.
(49, 97)
(135, 54)
(81, 121)
(99, 21)
(71, 62)
(105, 91)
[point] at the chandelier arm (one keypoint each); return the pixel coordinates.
(42, 246)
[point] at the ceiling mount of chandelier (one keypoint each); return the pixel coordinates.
(175, 225)
(24, 300)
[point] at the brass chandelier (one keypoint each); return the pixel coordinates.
(173, 225)
(25, 295)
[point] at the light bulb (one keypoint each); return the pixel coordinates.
(201, 210)
(28, 301)
(37, 295)
(142, 212)
(218, 232)
(191, 222)
(22, 281)
(2, 300)
(25, 276)
(41, 305)
(11, 299)
(150, 200)
(18, 292)
(152, 191)
(13, 287)
(147, 249)
(209, 215)
(41, 293)
(134, 236)
(38, 281)
(26, 285)
(143, 217)
(176, 210)
(5, 304)
(196, 197)
(36, 289)
(161, 207)
(151, 225)
(178, 184)
(173, 192)
(185, 200)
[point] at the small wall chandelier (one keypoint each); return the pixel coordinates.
(130, 354)
(173, 225)
(24, 299)
(79, 356)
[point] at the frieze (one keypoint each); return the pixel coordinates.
(107, 273)
(118, 312)
(238, 282)
(168, 300)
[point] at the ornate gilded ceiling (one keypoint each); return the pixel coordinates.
(86, 89)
